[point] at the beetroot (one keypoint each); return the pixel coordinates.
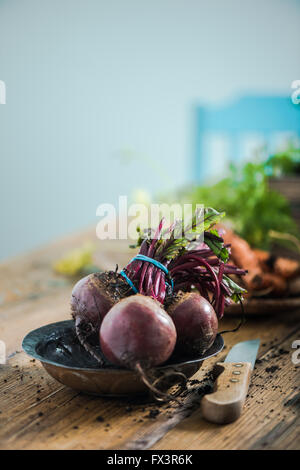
(135, 330)
(195, 321)
(138, 334)
(91, 299)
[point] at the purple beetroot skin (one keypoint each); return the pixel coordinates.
(196, 323)
(91, 299)
(137, 332)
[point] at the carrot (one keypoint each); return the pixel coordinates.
(262, 255)
(260, 274)
(243, 257)
(265, 259)
(287, 268)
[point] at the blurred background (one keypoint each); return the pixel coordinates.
(146, 99)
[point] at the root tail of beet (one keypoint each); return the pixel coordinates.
(159, 395)
(87, 346)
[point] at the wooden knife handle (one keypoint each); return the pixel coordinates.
(225, 404)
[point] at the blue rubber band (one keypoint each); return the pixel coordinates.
(155, 263)
(152, 261)
(129, 282)
(148, 260)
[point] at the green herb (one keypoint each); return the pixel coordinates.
(284, 163)
(252, 208)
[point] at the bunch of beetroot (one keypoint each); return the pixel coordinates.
(145, 312)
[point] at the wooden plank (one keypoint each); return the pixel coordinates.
(269, 412)
(38, 412)
(30, 276)
(68, 416)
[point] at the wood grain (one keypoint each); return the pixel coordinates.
(271, 410)
(36, 412)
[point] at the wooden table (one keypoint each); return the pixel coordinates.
(36, 412)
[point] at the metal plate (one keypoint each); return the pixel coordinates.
(104, 381)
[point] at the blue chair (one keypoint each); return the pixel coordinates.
(266, 115)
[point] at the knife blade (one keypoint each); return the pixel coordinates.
(226, 402)
(244, 352)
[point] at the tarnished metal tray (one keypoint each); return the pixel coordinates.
(105, 381)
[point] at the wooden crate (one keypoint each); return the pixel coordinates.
(289, 186)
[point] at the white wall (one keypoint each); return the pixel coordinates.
(88, 81)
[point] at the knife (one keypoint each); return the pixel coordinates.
(225, 404)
